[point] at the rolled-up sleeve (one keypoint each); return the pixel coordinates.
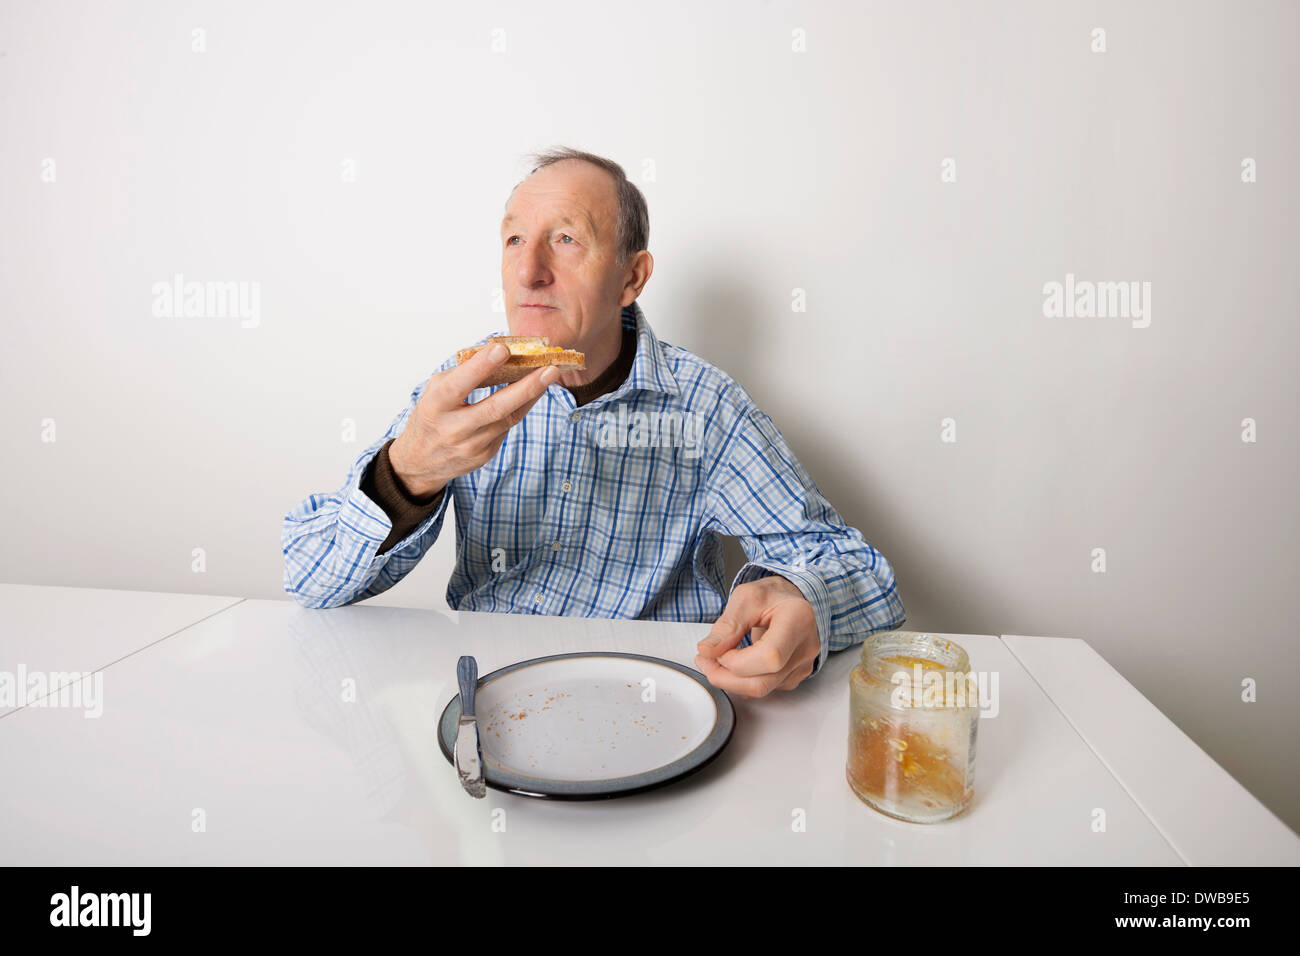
(759, 493)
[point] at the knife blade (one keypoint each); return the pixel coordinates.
(468, 755)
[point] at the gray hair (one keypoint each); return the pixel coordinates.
(633, 214)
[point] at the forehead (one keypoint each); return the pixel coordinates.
(568, 192)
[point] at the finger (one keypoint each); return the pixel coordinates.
(772, 655)
(720, 677)
(797, 676)
(455, 384)
(755, 635)
(506, 407)
(742, 612)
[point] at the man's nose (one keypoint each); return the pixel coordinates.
(532, 267)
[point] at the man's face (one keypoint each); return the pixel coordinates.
(559, 251)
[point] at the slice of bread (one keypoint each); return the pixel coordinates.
(527, 352)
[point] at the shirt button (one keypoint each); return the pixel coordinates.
(566, 486)
(555, 546)
(575, 416)
(537, 599)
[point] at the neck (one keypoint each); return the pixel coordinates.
(600, 356)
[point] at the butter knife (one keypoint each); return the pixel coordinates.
(469, 757)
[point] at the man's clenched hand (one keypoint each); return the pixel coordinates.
(785, 644)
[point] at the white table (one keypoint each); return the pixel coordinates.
(61, 630)
(1207, 816)
(240, 715)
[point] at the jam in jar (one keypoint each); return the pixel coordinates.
(913, 716)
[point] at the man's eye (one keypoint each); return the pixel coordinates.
(562, 236)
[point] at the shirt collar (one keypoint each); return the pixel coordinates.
(650, 371)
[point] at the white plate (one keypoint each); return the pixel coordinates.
(593, 724)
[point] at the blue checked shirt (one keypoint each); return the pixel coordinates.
(613, 510)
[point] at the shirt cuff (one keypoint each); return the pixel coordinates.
(368, 524)
(810, 585)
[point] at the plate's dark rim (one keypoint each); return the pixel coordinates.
(684, 766)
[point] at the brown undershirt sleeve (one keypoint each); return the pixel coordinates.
(407, 512)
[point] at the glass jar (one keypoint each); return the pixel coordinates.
(913, 716)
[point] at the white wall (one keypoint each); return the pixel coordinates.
(773, 170)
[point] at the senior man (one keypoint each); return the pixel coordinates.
(599, 512)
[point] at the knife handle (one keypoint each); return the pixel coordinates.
(467, 677)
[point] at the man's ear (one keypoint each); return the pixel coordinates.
(643, 265)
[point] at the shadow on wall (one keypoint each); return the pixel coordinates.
(930, 582)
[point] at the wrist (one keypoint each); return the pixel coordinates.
(415, 484)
